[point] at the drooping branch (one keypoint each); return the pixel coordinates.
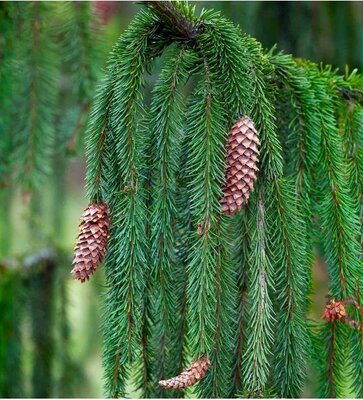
(166, 123)
(260, 318)
(125, 263)
(150, 303)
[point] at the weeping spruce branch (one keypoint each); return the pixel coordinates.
(338, 214)
(186, 282)
(166, 124)
(290, 260)
(207, 264)
(260, 313)
(340, 222)
(128, 210)
(36, 94)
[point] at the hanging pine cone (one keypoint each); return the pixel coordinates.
(189, 377)
(242, 159)
(91, 242)
(335, 310)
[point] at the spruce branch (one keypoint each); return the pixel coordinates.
(221, 47)
(36, 88)
(339, 222)
(183, 230)
(335, 379)
(240, 247)
(209, 266)
(145, 378)
(200, 272)
(351, 124)
(126, 261)
(263, 111)
(96, 135)
(79, 36)
(357, 339)
(260, 319)
(303, 122)
(290, 258)
(166, 123)
(337, 208)
(80, 40)
(98, 125)
(298, 117)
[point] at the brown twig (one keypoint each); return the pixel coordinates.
(179, 24)
(351, 94)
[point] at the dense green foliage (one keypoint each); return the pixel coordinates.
(41, 121)
(183, 280)
(239, 291)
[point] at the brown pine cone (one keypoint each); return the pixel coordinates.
(335, 310)
(91, 242)
(189, 377)
(242, 158)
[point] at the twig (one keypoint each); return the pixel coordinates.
(179, 24)
(351, 94)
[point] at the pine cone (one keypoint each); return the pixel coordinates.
(189, 377)
(242, 159)
(91, 242)
(335, 310)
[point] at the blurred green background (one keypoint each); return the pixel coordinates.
(50, 340)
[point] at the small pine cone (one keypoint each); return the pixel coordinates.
(335, 310)
(91, 242)
(189, 377)
(242, 158)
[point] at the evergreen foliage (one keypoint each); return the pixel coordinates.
(36, 91)
(166, 116)
(33, 115)
(78, 33)
(291, 284)
(260, 313)
(35, 129)
(186, 281)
